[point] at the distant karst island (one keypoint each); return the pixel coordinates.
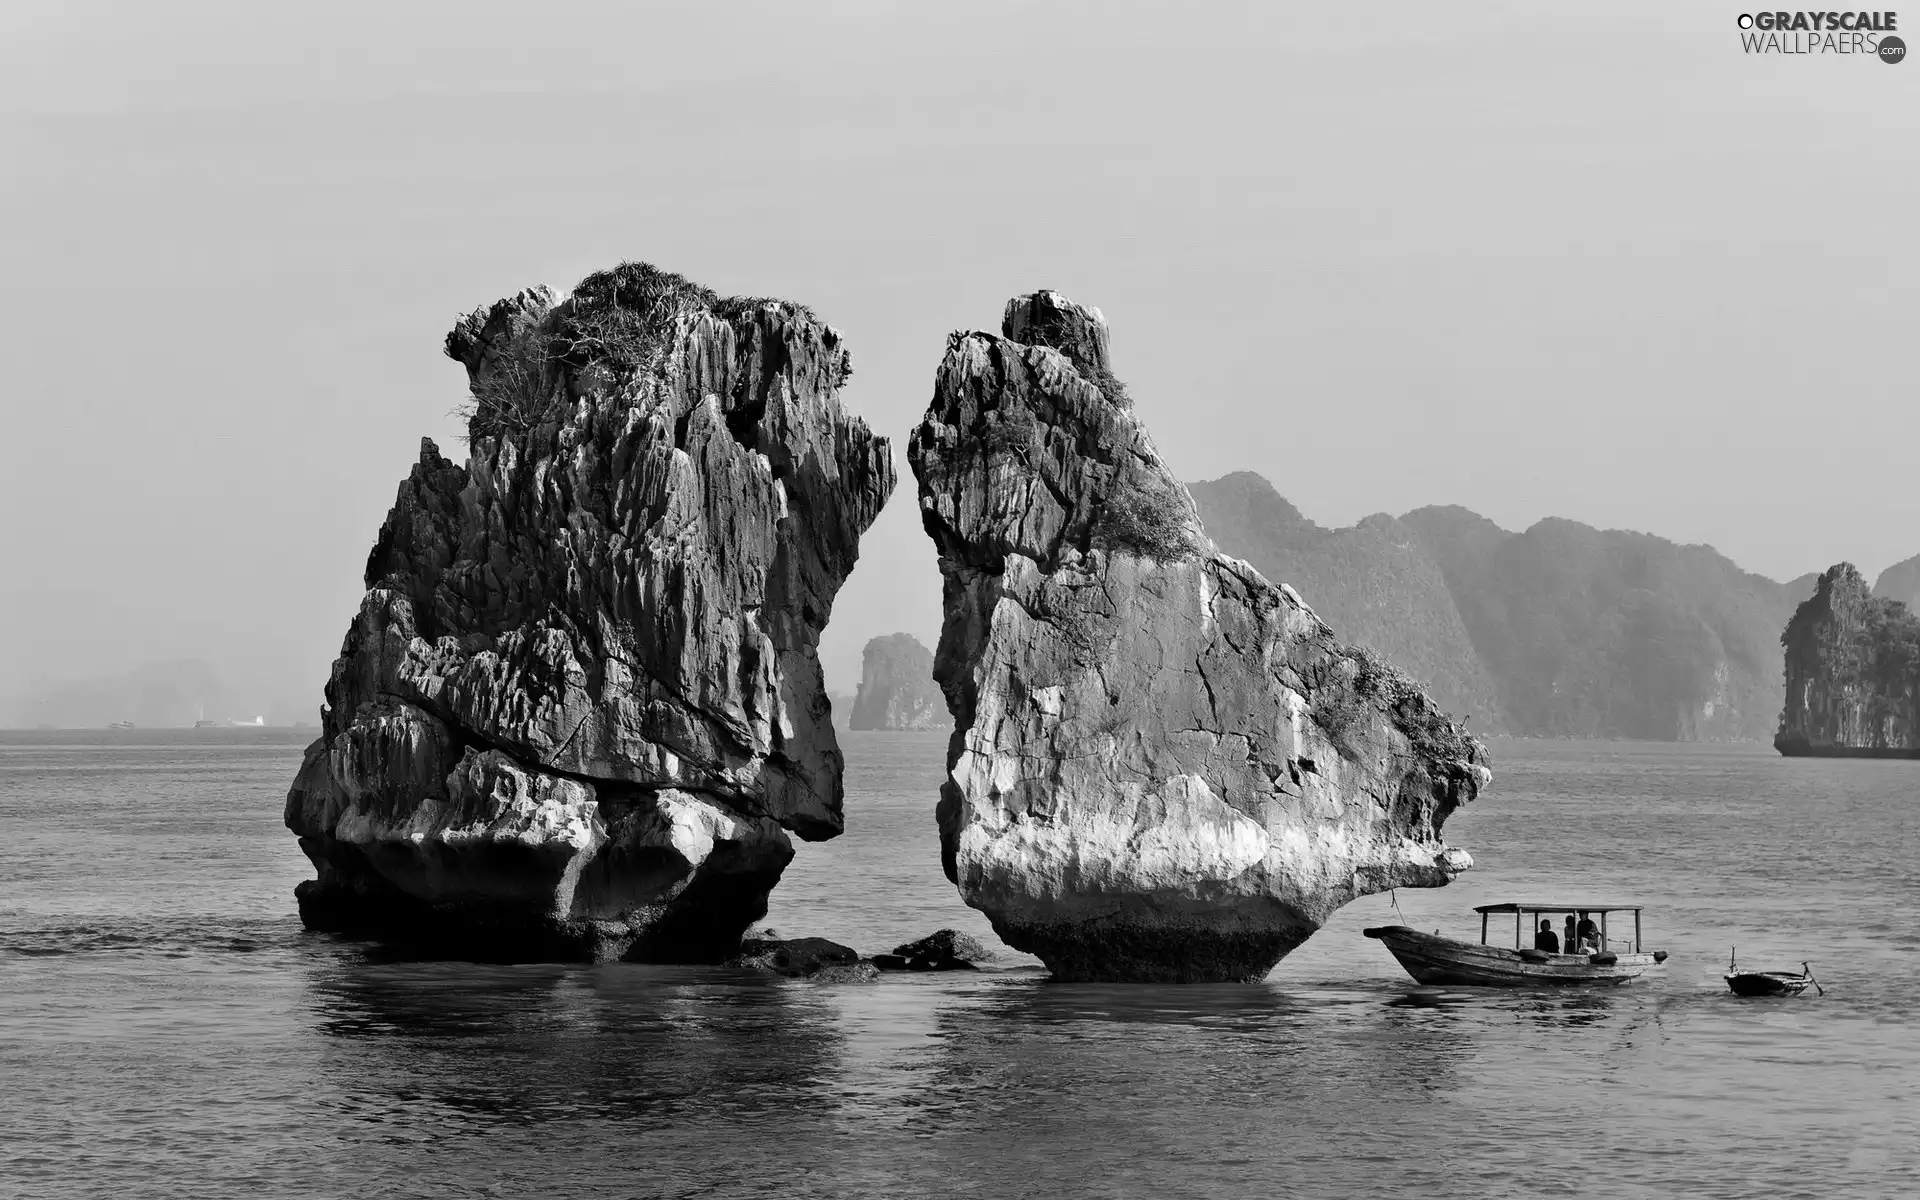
(897, 690)
(1561, 630)
(1853, 668)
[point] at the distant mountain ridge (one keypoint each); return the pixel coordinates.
(172, 693)
(1374, 583)
(1562, 630)
(1901, 582)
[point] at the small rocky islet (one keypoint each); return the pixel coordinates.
(897, 690)
(1853, 669)
(579, 715)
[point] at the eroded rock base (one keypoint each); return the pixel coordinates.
(1093, 952)
(700, 922)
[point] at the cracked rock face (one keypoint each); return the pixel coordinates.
(1163, 766)
(580, 712)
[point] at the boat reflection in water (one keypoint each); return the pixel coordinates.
(1433, 959)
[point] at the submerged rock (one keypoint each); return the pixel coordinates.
(1853, 673)
(1163, 766)
(896, 686)
(944, 950)
(580, 711)
(796, 957)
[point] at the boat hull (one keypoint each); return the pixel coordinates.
(1768, 983)
(1433, 959)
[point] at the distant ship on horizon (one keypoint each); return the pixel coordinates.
(230, 723)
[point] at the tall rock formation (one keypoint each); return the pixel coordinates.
(580, 710)
(896, 686)
(1853, 673)
(1163, 766)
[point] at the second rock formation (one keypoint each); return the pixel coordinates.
(1163, 766)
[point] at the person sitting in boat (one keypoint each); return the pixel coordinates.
(1546, 939)
(1567, 939)
(1588, 934)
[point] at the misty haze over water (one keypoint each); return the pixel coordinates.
(1662, 294)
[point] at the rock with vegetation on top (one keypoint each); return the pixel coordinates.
(579, 712)
(1163, 767)
(896, 686)
(1853, 673)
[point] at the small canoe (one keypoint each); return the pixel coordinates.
(1770, 983)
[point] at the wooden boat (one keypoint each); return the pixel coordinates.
(1769, 983)
(1433, 959)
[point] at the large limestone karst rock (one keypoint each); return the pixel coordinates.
(580, 710)
(1163, 767)
(1853, 673)
(896, 686)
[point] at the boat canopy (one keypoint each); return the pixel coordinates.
(1581, 906)
(1520, 910)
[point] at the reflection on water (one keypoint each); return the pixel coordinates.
(168, 1029)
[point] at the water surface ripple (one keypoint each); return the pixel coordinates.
(168, 1029)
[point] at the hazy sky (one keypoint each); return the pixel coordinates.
(1537, 259)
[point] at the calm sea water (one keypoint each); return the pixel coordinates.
(167, 1028)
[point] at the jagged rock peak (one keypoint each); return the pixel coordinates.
(1046, 318)
(581, 703)
(1163, 766)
